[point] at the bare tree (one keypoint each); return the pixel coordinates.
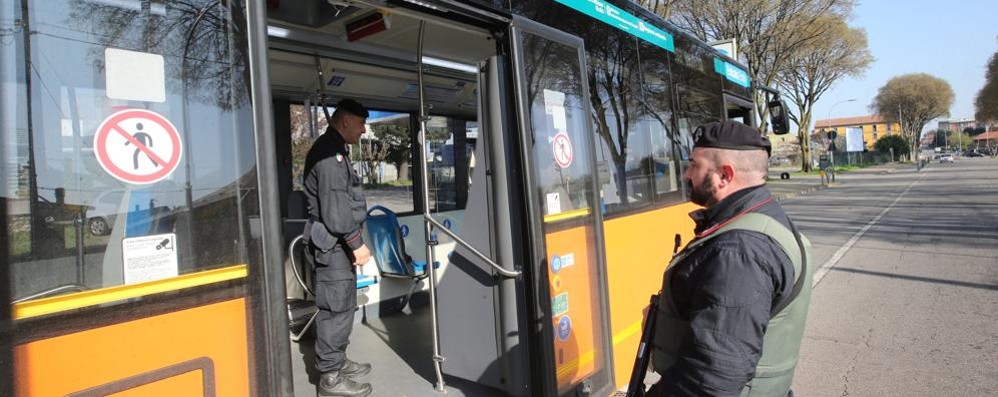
(373, 152)
(766, 31)
(986, 103)
(662, 8)
(204, 43)
(838, 51)
(913, 100)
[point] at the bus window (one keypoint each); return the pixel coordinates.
(622, 135)
(658, 115)
(384, 161)
(302, 120)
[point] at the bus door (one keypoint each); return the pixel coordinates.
(133, 239)
(568, 267)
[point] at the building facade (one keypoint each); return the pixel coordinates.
(874, 127)
(958, 125)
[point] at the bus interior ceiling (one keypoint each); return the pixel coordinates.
(380, 71)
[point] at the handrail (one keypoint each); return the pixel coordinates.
(294, 266)
(438, 358)
(501, 270)
(51, 291)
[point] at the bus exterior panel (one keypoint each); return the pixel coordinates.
(197, 351)
(133, 213)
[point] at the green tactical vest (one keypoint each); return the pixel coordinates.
(781, 343)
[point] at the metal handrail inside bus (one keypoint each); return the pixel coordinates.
(294, 265)
(499, 269)
(438, 358)
(51, 291)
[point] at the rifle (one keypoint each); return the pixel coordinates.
(636, 387)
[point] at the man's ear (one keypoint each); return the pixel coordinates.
(727, 172)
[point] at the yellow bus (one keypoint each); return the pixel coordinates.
(532, 152)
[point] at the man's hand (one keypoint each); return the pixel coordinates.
(361, 255)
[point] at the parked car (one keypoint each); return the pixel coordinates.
(103, 211)
(946, 158)
(972, 154)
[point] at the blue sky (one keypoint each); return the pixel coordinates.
(949, 39)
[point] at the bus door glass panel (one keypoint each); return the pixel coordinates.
(178, 171)
(559, 144)
(451, 143)
(71, 213)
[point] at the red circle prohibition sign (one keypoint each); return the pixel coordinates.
(112, 126)
(561, 145)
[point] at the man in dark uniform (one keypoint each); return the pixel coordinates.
(336, 209)
(733, 302)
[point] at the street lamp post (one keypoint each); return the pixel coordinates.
(831, 151)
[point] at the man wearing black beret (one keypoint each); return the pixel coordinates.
(734, 300)
(335, 246)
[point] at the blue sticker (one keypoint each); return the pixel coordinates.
(555, 263)
(447, 223)
(404, 230)
(564, 328)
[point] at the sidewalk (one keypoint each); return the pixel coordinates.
(799, 184)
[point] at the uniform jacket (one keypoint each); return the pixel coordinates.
(336, 207)
(726, 290)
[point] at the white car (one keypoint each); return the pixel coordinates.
(946, 158)
(103, 210)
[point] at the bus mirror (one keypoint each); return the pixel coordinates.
(778, 117)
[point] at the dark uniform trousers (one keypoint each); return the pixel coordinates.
(337, 301)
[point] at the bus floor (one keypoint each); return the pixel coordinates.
(399, 347)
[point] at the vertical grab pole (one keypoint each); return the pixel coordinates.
(427, 227)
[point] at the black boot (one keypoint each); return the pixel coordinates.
(354, 369)
(336, 384)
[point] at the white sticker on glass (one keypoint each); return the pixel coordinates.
(149, 258)
(553, 203)
(135, 76)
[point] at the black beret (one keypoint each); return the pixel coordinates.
(730, 135)
(353, 107)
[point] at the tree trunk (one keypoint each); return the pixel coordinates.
(403, 171)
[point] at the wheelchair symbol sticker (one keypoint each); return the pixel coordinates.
(555, 263)
(447, 223)
(564, 328)
(405, 230)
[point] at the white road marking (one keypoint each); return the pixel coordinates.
(834, 260)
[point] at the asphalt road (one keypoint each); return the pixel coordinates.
(906, 296)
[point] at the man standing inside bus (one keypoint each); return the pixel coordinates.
(733, 302)
(336, 210)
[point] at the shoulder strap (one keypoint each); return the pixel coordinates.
(771, 227)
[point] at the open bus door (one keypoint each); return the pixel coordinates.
(567, 270)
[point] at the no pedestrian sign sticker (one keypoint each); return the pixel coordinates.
(137, 146)
(562, 147)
